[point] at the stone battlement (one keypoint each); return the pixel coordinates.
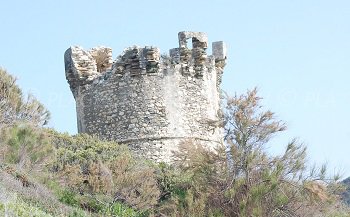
(83, 67)
(144, 99)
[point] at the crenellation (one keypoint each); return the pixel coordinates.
(174, 54)
(199, 39)
(151, 59)
(103, 58)
(146, 101)
(220, 56)
(185, 55)
(133, 62)
(219, 50)
(80, 67)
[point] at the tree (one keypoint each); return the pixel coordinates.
(252, 182)
(15, 107)
(268, 185)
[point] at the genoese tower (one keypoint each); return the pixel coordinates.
(149, 101)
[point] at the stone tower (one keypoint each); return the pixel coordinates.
(150, 102)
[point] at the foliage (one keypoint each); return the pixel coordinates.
(251, 182)
(30, 192)
(268, 184)
(67, 199)
(46, 173)
(90, 166)
(119, 209)
(26, 146)
(17, 207)
(346, 193)
(53, 171)
(16, 107)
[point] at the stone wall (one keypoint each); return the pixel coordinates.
(149, 102)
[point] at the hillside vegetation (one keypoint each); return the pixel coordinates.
(346, 193)
(47, 173)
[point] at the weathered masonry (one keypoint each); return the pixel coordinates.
(148, 101)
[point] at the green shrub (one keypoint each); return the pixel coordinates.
(68, 197)
(32, 192)
(26, 146)
(17, 207)
(90, 166)
(121, 210)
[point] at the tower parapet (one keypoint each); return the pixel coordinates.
(149, 101)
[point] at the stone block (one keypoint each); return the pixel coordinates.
(219, 50)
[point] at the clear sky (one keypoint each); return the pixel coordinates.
(297, 52)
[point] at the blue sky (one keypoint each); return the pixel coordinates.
(297, 52)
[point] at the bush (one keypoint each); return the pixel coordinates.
(31, 192)
(15, 107)
(68, 197)
(84, 176)
(18, 208)
(26, 146)
(121, 210)
(250, 182)
(91, 167)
